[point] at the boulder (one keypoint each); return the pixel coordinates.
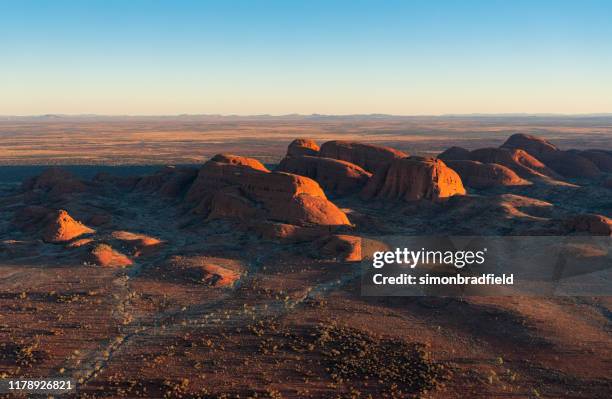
(333, 175)
(590, 223)
(369, 156)
(484, 175)
(226, 190)
(342, 247)
(300, 147)
(61, 227)
(518, 160)
(104, 255)
(414, 178)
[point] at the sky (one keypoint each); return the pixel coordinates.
(317, 56)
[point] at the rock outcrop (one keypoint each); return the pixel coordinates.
(104, 255)
(61, 227)
(369, 156)
(523, 164)
(601, 159)
(414, 178)
(239, 160)
(289, 232)
(170, 181)
(484, 175)
(140, 243)
(237, 191)
(333, 175)
(573, 164)
(342, 247)
(300, 147)
(217, 272)
(534, 146)
(591, 224)
(455, 154)
(56, 182)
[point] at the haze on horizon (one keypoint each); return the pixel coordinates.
(275, 57)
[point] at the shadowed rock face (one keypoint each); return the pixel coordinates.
(601, 159)
(533, 145)
(300, 147)
(226, 190)
(566, 163)
(414, 178)
(342, 247)
(455, 154)
(519, 161)
(483, 175)
(572, 164)
(170, 181)
(61, 227)
(590, 223)
(333, 175)
(370, 157)
(56, 182)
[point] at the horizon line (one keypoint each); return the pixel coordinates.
(473, 114)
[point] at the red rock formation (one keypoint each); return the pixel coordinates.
(590, 223)
(170, 181)
(289, 232)
(300, 147)
(238, 160)
(56, 182)
(566, 163)
(534, 146)
(601, 159)
(518, 160)
(369, 156)
(217, 272)
(341, 247)
(483, 175)
(572, 164)
(104, 255)
(414, 178)
(333, 175)
(81, 242)
(237, 191)
(455, 154)
(61, 227)
(31, 217)
(141, 243)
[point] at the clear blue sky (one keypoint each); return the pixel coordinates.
(332, 57)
